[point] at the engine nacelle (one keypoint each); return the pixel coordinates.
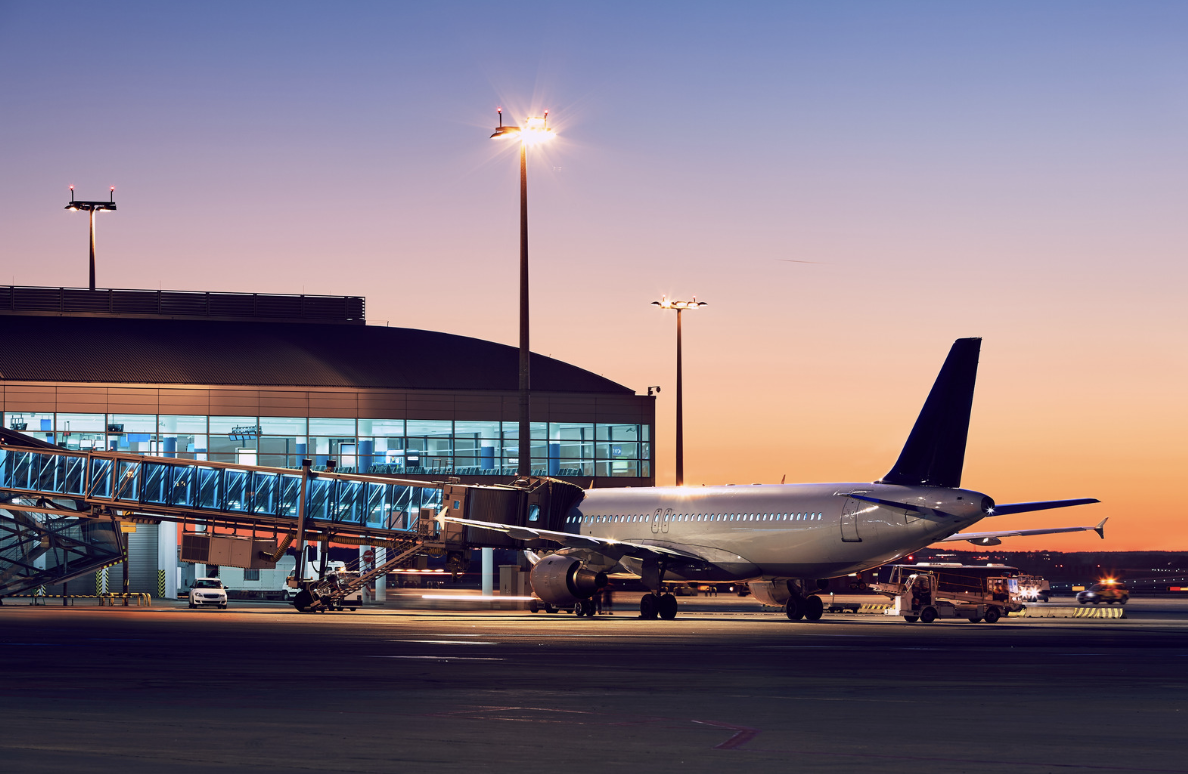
(770, 592)
(561, 580)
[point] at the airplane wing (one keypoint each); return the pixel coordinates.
(994, 538)
(612, 548)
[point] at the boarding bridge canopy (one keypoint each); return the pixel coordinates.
(196, 489)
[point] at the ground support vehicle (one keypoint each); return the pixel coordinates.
(343, 587)
(1033, 588)
(1107, 591)
(927, 592)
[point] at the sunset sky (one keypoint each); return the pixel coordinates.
(851, 186)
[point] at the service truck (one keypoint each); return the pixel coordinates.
(926, 592)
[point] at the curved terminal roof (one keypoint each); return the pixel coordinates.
(114, 350)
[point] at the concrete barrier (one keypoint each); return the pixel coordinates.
(1085, 611)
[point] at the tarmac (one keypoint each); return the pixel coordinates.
(726, 686)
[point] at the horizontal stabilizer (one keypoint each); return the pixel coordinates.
(1011, 508)
(994, 538)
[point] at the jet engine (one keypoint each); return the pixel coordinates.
(771, 592)
(562, 580)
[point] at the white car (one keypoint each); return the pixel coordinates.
(208, 591)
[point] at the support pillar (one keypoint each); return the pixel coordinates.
(167, 556)
(488, 571)
(381, 582)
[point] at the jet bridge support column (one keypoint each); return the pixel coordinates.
(488, 568)
(167, 557)
(299, 543)
(381, 581)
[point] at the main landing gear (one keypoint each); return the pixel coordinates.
(584, 607)
(663, 605)
(809, 608)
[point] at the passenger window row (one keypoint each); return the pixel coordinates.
(646, 518)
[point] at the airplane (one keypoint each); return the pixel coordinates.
(784, 540)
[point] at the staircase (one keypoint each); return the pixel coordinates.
(41, 549)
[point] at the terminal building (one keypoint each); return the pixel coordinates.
(269, 380)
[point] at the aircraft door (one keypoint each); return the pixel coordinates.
(667, 518)
(656, 520)
(849, 521)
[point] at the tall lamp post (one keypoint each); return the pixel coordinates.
(534, 132)
(92, 207)
(679, 306)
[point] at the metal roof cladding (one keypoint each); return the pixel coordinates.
(115, 350)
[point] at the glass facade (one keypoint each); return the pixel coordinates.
(394, 446)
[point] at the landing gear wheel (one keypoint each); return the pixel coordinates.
(667, 607)
(928, 615)
(814, 608)
(911, 618)
(794, 608)
(992, 615)
(533, 607)
(584, 607)
(549, 608)
(302, 601)
(649, 606)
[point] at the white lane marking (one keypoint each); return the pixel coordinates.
(447, 642)
(441, 658)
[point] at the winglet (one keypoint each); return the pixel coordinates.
(1100, 528)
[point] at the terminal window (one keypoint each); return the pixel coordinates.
(393, 446)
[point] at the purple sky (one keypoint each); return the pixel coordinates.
(1015, 171)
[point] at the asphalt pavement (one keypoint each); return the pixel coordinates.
(724, 687)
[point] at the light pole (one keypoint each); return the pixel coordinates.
(679, 306)
(534, 132)
(92, 207)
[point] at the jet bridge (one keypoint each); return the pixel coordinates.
(60, 510)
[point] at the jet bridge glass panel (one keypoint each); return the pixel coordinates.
(148, 483)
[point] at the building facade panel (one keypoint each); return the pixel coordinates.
(132, 400)
(421, 405)
(234, 402)
(82, 399)
(284, 404)
(194, 401)
(343, 403)
(30, 397)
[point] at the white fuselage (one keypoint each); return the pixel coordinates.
(773, 531)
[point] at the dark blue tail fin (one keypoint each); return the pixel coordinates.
(935, 451)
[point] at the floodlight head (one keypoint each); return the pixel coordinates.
(537, 131)
(666, 303)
